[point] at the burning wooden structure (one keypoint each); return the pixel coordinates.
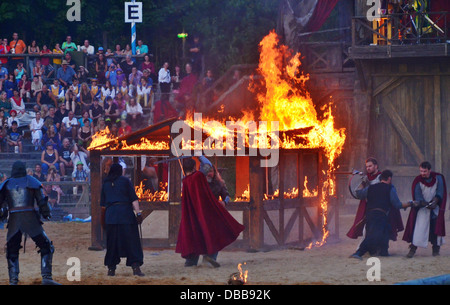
(297, 218)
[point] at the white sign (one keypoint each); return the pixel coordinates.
(133, 12)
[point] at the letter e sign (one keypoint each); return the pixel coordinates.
(133, 12)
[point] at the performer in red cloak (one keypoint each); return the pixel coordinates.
(395, 218)
(427, 222)
(184, 100)
(206, 226)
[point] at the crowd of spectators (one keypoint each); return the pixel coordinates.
(63, 104)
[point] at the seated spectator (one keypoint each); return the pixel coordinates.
(17, 103)
(147, 64)
(68, 46)
(96, 111)
(12, 118)
(125, 89)
(107, 90)
(49, 157)
(127, 65)
(124, 128)
(19, 71)
(24, 88)
(73, 95)
(36, 87)
(45, 97)
(57, 91)
(143, 93)
(85, 99)
(45, 62)
(134, 78)
(54, 119)
(141, 48)
(3, 132)
(95, 89)
(111, 75)
(79, 174)
(82, 74)
(54, 196)
(112, 114)
(3, 73)
(61, 113)
(86, 48)
(101, 67)
(101, 125)
(52, 137)
(14, 137)
(9, 85)
(121, 103)
(84, 116)
(36, 130)
(38, 70)
(120, 77)
(85, 135)
(65, 163)
(134, 114)
(65, 74)
(5, 104)
(69, 126)
(79, 156)
(38, 173)
(115, 130)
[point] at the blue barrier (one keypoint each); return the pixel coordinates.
(435, 280)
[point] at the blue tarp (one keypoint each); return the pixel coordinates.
(435, 280)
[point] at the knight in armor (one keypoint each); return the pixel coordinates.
(18, 196)
(381, 199)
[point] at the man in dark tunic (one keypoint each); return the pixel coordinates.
(118, 200)
(381, 199)
(17, 197)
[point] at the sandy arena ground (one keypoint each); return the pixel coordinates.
(328, 264)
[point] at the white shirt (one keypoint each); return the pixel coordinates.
(164, 76)
(90, 49)
(134, 109)
(69, 123)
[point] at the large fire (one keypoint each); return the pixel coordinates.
(283, 98)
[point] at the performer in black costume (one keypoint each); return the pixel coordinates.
(118, 201)
(18, 195)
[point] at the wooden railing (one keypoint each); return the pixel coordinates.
(398, 29)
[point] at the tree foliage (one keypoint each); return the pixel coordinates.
(230, 29)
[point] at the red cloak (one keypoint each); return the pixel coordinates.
(440, 222)
(395, 219)
(206, 226)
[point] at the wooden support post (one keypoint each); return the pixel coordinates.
(437, 124)
(256, 220)
(96, 186)
(175, 182)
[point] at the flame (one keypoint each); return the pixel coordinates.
(245, 195)
(307, 192)
(147, 195)
(102, 137)
(243, 275)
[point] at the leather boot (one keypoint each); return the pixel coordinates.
(412, 251)
(137, 270)
(436, 250)
(46, 269)
(13, 270)
(111, 270)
